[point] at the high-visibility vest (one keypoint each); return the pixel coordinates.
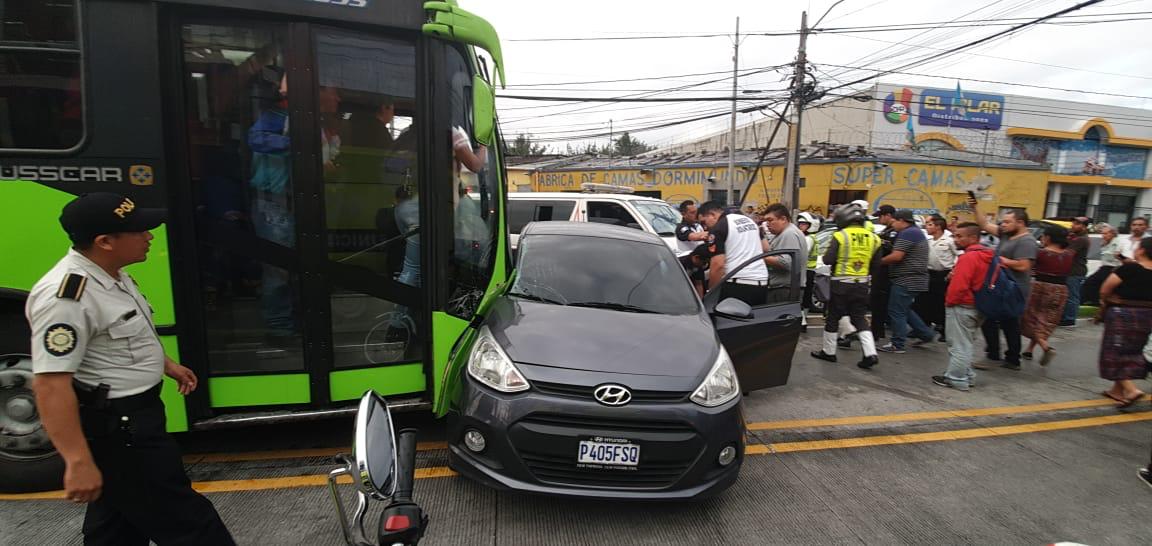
(813, 252)
(854, 257)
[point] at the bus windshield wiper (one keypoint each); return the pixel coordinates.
(534, 297)
(615, 306)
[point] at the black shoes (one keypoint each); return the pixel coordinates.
(868, 362)
(820, 355)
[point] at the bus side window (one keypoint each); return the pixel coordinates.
(475, 206)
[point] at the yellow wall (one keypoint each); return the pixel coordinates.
(902, 185)
(518, 177)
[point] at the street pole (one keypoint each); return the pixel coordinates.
(732, 136)
(793, 164)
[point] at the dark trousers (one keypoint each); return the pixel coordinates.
(146, 495)
(878, 302)
(1011, 329)
(849, 299)
(806, 303)
(750, 294)
(930, 304)
(1090, 291)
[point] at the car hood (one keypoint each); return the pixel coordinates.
(602, 340)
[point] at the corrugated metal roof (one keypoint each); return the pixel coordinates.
(812, 153)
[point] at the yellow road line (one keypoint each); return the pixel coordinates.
(289, 454)
(963, 434)
(257, 484)
(764, 425)
(929, 415)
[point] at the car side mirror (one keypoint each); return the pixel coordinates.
(483, 111)
(734, 308)
(374, 448)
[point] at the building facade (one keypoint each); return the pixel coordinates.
(830, 175)
(1097, 155)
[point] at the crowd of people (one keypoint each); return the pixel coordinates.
(913, 286)
(926, 283)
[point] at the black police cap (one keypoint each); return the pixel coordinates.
(103, 213)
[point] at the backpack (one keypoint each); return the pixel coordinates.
(1000, 297)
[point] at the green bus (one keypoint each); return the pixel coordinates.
(334, 184)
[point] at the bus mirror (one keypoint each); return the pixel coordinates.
(374, 448)
(483, 111)
(448, 21)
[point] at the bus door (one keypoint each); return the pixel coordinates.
(299, 212)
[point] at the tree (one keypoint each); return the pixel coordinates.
(628, 146)
(523, 145)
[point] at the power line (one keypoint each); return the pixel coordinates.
(668, 77)
(630, 99)
(894, 27)
(974, 43)
(912, 47)
(1037, 63)
(1050, 88)
(662, 125)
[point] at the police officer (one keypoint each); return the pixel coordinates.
(689, 235)
(852, 255)
(99, 364)
(734, 239)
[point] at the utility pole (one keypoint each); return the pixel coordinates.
(798, 77)
(611, 145)
(732, 137)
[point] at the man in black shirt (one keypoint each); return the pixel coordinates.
(689, 234)
(1078, 243)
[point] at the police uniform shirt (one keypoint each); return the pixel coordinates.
(683, 230)
(738, 238)
(97, 327)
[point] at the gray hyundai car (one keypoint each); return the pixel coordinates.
(600, 373)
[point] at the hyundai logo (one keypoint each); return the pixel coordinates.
(612, 395)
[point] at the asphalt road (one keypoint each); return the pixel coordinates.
(838, 456)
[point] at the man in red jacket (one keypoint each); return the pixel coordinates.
(961, 318)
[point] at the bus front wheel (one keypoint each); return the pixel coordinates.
(28, 461)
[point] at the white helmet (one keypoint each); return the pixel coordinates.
(862, 203)
(813, 223)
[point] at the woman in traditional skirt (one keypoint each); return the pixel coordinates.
(1049, 292)
(1126, 297)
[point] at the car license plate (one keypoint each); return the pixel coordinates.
(605, 453)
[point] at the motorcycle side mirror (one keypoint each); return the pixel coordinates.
(374, 448)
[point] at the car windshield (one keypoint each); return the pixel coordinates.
(661, 215)
(603, 272)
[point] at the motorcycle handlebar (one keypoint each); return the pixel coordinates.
(405, 464)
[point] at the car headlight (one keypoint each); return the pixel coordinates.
(489, 365)
(720, 386)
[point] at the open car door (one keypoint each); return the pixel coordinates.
(760, 339)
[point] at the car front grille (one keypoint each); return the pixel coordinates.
(562, 469)
(607, 426)
(547, 443)
(585, 393)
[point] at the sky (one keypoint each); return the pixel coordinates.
(1109, 57)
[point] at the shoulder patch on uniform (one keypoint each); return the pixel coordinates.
(72, 287)
(60, 339)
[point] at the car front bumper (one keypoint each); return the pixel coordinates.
(532, 440)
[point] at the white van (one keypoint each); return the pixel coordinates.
(643, 213)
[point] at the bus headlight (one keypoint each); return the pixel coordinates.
(489, 365)
(720, 386)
